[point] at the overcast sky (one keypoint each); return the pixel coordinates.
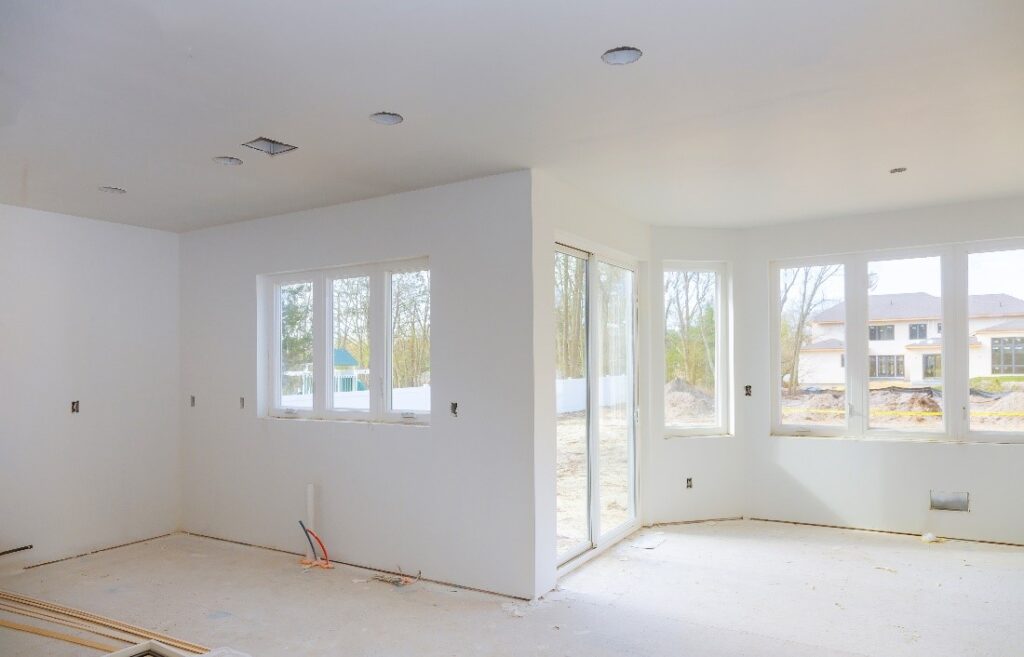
(988, 273)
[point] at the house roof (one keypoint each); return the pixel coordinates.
(1009, 325)
(921, 305)
(343, 359)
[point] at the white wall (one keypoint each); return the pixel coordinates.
(454, 499)
(89, 313)
(857, 483)
(716, 464)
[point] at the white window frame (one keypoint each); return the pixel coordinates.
(963, 389)
(380, 336)
(955, 380)
(775, 331)
(723, 378)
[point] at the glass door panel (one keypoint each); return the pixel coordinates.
(571, 406)
(615, 396)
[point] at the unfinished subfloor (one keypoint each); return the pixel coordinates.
(723, 588)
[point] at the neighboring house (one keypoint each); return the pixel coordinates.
(905, 339)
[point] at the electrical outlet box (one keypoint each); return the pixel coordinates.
(689, 482)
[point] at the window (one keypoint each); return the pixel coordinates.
(695, 381)
(902, 289)
(809, 329)
(351, 343)
(410, 341)
(883, 332)
(926, 349)
(885, 367)
(995, 341)
(1008, 355)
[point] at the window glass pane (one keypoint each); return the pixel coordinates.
(410, 341)
(296, 345)
(903, 392)
(351, 356)
(691, 303)
(615, 396)
(812, 345)
(572, 453)
(995, 326)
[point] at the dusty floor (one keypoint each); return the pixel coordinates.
(727, 588)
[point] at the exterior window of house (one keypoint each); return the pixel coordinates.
(938, 329)
(886, 367)
(809, 332)
(902, 291)
(883, 332)
(918, 331)
(932, 366)
(329, 330)
(1008, 355)
(695, 329)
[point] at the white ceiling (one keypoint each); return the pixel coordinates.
(740, 112)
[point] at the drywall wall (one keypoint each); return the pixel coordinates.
(90, 313)
(872, 484)
(453, 499)
(561, 214)
(716, 464)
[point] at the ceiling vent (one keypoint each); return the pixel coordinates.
(269, 146)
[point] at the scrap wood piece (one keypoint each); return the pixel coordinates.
(107, 622)
(42, 631)
(61, 620)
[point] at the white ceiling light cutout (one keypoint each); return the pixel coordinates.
(113, 190)
(387, 118)
(227, 160)
(622, 55)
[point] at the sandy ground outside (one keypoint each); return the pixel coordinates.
(614, 475)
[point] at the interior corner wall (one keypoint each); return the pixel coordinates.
(716, 464)
(453, 500)
(90, 313)
(563, 214)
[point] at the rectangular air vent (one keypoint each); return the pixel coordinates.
(269, 146)
(946, 501)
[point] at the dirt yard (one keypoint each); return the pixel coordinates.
(614, 474)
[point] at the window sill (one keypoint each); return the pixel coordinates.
(711, 433)
(1012, 439)
(348, 420)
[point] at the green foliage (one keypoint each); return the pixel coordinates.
(993, 383)
(296, 333)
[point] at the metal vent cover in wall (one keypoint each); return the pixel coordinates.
(949, 501)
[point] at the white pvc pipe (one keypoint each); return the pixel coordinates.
(310, 516)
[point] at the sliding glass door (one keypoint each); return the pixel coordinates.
(595, 384)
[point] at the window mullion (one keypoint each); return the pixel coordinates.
(956, 382)
(857, 345)
(320, 340)
(377, 343)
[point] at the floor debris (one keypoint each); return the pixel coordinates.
(396, 580)
(649, 541)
